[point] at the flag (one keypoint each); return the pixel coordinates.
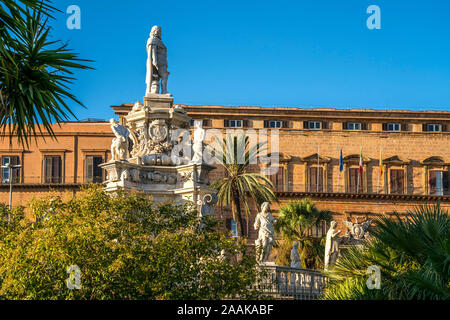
(360, 162)
(341, 162)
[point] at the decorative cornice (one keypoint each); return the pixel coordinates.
(366, 196)
(313, 158)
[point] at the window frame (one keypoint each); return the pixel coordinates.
(17, 175)
(235, 122)
(434, 126)
(313, 127)
(350, 124)
(278, 124)
(394, 126)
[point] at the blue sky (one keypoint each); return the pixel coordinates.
(265, 53)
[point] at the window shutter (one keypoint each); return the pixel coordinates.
(228, 224)
(47, 170)
(245, 123)
(305, 125)
(324, 125)
(385, 126)
(432, 182)
(444, 128)
(15, 172)
(404, 126)
(364, 126)
(344, 125)
(266, 123)
(205, 123)
(244, 226)
(285, 124)
(89, 169)
(57, 168)
(424, 127)
(226, 123)
(446, 182)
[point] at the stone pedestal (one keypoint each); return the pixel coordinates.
(150, 166)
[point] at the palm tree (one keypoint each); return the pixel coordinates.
(413, 256)
(34, 71)
(294, 222)
(235, 155)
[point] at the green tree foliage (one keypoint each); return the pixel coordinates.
(413, 256)
(294, 221)
(35, 70)
(126, 246)
(235, 154)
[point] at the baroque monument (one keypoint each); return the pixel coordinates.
(149, 153)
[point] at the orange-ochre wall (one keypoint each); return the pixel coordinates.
(416, 152)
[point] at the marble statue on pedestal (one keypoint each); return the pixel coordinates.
(157, 74)
(197, 147)
(295, 257)
(119, 146)
(331, 245)
(264, 223)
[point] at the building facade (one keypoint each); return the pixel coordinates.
(411, 146)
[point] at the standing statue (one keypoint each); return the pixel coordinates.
(157, 74)
(331, 245)
(199, 136)
(264, 222)
(295, 257)
(119, 146)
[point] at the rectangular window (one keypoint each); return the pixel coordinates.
(275, 124)
(439, 182)
(313, 187)
(13, 160)
(353, 178)
(392, 126)
(235, 124)
(231, 225)
(278, 179)
(94, 174)
(433, 127)
(397, 181)
(315, 125)
(52, 169)
(354, 126)
(318, 231)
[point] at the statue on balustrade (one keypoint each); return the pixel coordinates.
(331, 245)
(264, 223)
(295, 257)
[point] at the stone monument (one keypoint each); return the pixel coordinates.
(146, 148)
(331, 245)
(264, 223)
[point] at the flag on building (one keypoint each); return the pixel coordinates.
(360, 162)
(341, 162)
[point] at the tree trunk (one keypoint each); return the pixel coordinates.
(237, 205)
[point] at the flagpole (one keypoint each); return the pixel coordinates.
(318, 167)
(379, 174)
(339, 175)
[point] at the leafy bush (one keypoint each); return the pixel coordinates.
(126, 246)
